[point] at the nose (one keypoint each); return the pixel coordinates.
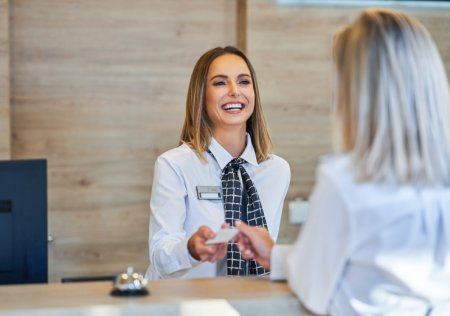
(234, 90)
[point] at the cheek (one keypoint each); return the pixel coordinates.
(251, 107)
(208, 99)
(209, 102)
(251, 98)
(212, 98)
(211, 108)
(250, 95)
(210, 112)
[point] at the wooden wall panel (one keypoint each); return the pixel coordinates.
(99, 90)
(5, 131)
(290, 49)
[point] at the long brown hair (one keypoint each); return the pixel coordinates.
(197, 129)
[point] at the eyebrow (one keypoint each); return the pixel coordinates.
(226, 77)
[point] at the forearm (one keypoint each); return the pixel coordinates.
(170, 258)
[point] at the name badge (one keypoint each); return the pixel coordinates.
(205, 192)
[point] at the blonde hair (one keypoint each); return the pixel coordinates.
(197, 128)
(392, 99)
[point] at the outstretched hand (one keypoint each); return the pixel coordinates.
(201, 251)
(254, 243)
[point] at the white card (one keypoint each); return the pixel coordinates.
(223, 235)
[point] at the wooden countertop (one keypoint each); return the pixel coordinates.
(247, 296)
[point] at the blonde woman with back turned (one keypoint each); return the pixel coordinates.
(377, 240)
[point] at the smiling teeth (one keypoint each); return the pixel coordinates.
(233, 106)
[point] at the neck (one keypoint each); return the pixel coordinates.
(233, 140)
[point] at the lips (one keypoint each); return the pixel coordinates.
(233, 106)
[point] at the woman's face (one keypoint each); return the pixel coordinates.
(230, 98)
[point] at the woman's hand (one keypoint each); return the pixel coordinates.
(254, 243)
(201, 251)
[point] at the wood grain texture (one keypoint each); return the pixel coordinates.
(241, 25)
(5, 130)
(99, 90)
(50, 296)
(247, 296)
(289, 47)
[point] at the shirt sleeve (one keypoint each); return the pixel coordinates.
(318, 257)
(169, 256)
(278, 262)
(279, 178)
(286, 173)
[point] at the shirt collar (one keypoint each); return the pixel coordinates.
(223, 157)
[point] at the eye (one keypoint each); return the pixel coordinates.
(244, 82)
(219, 83)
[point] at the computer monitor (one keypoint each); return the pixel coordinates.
(23, 221)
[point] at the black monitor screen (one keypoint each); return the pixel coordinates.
(23, 221)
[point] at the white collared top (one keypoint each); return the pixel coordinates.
(370, 248)
(176, 212)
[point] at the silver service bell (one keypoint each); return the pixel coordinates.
(130, 284)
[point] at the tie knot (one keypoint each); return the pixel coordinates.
(236, 163)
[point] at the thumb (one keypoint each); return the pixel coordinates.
(205, 232)
(225, 225)
(243, 228)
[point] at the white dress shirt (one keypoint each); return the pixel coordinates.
(368, 248)
(176, 212)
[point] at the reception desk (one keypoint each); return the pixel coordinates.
(217, 297)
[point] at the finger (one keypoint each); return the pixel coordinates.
(236, 238)
(248, 254)
(218, 256)
(241, 248)
(205, 232)
(219, 253)
(246, 249)
(243, 245)
(244, 241)
(205, 258)
(205, 250)
(225, 225)
(243, 228)
(222, 249)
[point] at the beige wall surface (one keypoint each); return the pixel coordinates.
(289, 47)
(5, 133)
(99, 90)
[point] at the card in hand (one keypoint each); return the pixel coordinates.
(223, 236)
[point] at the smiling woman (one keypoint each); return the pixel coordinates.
(230, 100)
(221, 172)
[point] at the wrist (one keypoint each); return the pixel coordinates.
(269, 246)
(191, 248)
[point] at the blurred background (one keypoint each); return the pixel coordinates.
(98, 89)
